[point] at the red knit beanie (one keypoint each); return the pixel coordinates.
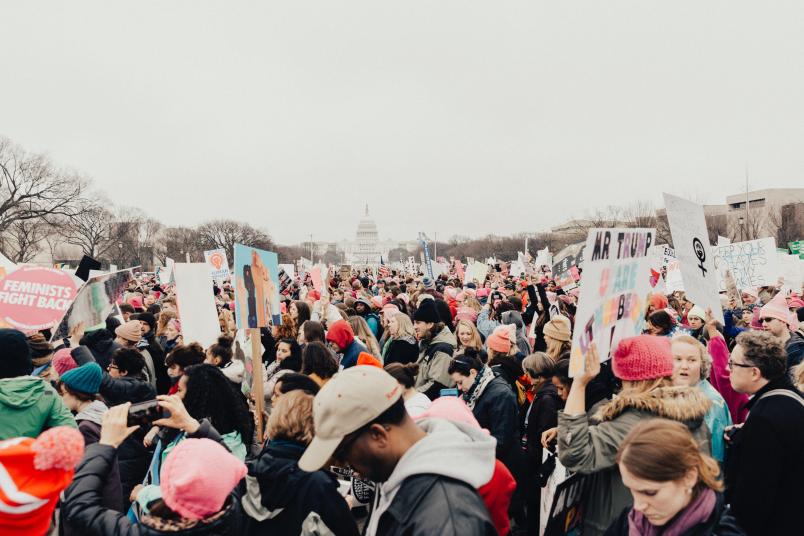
(645, 357)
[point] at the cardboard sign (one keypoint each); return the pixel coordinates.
(196, 303)
(33, 298)
(696, 257)
(217, 263)
(94, 302)
(289, 269)
(257, 287)
(566, 514)
(614, 295)
(754, 263)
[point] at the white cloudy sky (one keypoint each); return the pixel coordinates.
(448, 116)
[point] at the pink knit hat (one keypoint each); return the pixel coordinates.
(466, 313)
(451, 408)
(776, 308)
(500, 339)
(795, 302)
(644, 357)
(130, 331)
(390, 310)
(482, 293)
(188, 485)
(63, 361)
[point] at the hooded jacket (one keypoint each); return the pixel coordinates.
(795, 349)
(434, 369)
(591, 450)
(432, 489)
(29, 405)
(341, 334)
(402, 350)
(515, 318)
(280, 498)
(101, 343)
(234, 371)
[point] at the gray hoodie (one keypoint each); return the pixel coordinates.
(450, 449)
(515, 318)
(93, 412)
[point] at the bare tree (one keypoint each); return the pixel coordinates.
(24, 239)
(786, 222)
(90, 229)
(31, 189)
(226, 233)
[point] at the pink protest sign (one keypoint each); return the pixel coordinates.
(33, 298)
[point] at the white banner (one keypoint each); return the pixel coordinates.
(695, 255)
(753, 263)
(196, 303)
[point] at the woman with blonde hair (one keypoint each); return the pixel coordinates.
(363, 332)
(280, 498)
(557, 335)
(468, 336)
(675, 488)
(227, 323)
(401, 346)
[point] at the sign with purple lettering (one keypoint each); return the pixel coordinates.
(616, 283)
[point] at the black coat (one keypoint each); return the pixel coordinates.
(496, 411)
(158, 357)
(101, 343)
(764, 466)
(720, 523)
(286, 497)
(401, 351)
(542, 416)
(82, 504)
(429, 504)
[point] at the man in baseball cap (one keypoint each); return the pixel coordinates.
(360, 420)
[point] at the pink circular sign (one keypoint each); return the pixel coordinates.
(33, 298)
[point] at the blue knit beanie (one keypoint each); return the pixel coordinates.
(84, 379)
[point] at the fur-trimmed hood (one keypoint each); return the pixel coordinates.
(683, 404)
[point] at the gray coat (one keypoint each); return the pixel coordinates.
(590, 449)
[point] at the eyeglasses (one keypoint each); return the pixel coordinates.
(732, 364)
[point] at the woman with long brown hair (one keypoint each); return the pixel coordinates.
(674, 486)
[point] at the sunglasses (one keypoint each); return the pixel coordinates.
(768, 320)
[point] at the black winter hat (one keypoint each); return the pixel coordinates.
(15, 354)
(427, 312)
(148, 318)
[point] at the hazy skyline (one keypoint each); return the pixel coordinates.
(452, 117)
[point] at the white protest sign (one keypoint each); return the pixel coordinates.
(792, 271)
(217, 263)
(695, 256)
(544, 258)
(613, 297)
(196, 303)
(723, 241)
(673, 279)
(289, 269)
(753, 263)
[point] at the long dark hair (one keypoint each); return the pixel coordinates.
(210, 395)
(294, 360)
(303, 311)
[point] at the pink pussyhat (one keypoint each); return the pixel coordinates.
(451, 408)
(776, 308)
(189, 487)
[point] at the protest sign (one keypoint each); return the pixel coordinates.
(6, 266)
(616, 286)
(476, 273)
(317, 278)
(86, 267)
(754, 263)
(792, 271)
(33, 298)
(289, 269)
(257, 287)
(196, 303)
(695, 256)
(723, 241)
(94, 302)
(459, 269)
(566, 514)
(797, 248)
(427, 262)
(217, 263)
(285, 282)
(544, 258)
(346, 272)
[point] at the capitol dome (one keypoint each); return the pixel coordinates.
(367, 238)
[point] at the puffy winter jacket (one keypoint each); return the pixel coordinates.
(434, 364)
(591, 450)
(30, 405)
(280, 498)
(83, 508)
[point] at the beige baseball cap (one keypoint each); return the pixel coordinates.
(352, 398)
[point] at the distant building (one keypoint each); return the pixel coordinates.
(764, 213)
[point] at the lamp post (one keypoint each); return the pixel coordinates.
(741, 222)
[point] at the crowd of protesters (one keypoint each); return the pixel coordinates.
(404, 404)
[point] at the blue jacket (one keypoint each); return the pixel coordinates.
(350, 354)
(717, 419)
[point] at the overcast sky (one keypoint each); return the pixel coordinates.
(453, 117)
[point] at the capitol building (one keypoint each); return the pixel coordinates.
(366, 249)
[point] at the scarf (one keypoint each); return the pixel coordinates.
(695, 513)
(482, 380)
